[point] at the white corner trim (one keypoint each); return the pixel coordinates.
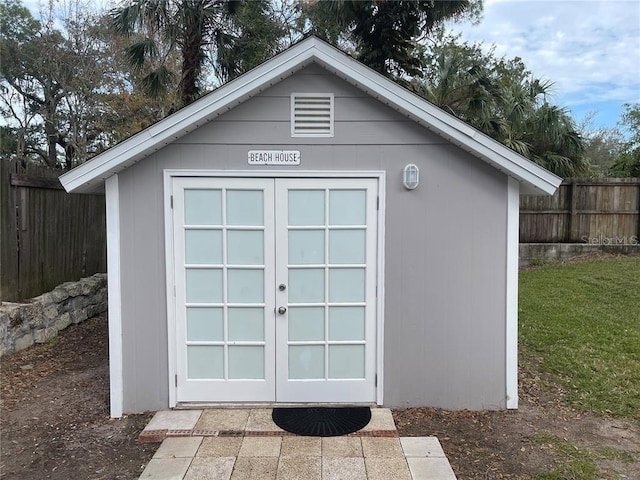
(513, 219)
(169, 275)
(380, 290)
(112, 200)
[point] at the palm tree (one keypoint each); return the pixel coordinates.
(543, 132)
(195, 28)
(503, 100)
(463, 85)
(384, 33)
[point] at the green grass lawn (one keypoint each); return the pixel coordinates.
(583, 320)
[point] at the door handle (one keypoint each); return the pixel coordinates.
(282, 310)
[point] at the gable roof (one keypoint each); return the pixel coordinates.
(90, 176)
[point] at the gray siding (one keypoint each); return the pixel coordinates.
(144, 319)
(445, 287)
(445, 257)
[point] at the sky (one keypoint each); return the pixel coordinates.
(589, 49)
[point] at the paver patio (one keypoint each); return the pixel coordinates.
(245, 444)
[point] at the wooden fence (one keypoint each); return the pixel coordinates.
(596, 211)
(47, 236)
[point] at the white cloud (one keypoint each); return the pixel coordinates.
(589, 49)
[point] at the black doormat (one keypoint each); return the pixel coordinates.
(321, 421)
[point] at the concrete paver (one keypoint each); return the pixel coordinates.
(343, 468)
(430, 468)
(178, 447)
(387, 468)
(381, 447)
(421, 447)
(208, 468)
(307, 468)
(174, 420)
(301, 447)
(166, 469)
(219, 447)
(260, 420)
(381, 419)
(341, 447)
(223, 419)
(255, 468)
(260, 447)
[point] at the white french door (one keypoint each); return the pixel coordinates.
(275, 289)
(224, 273)
(326, 257)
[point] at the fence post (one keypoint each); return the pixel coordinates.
(574, 228)
(8, 233)
(638, 208)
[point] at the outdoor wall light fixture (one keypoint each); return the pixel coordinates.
(410, 176)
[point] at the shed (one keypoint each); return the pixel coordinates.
(312, 232)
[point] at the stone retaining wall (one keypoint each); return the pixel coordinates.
(552, 252)
(40, 320)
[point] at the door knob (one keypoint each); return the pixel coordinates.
(282, 310)
(282, 287)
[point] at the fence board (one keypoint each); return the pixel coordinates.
(8, 238)
(583, 211)
(48, 236)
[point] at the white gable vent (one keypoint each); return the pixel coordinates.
(312, 115)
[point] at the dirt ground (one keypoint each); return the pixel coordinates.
(54, 417)
(54, 423)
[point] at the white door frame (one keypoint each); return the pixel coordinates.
(169, 174)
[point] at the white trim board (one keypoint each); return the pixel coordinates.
(182, 172)
(513, 218)
(112, 199)
(170, 282)
(382, 189)
(89, 176)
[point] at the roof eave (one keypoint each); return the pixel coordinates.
(83, 178)
(87, 177)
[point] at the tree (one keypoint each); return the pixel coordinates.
(555, 141)
(385, 35)
(502, 98)
(31, 68)
(461, 79)
(18, 140)
(256, 37)
(603, 145)
(197, 29)
(124, 108)
(628, 162)
(64, 91)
